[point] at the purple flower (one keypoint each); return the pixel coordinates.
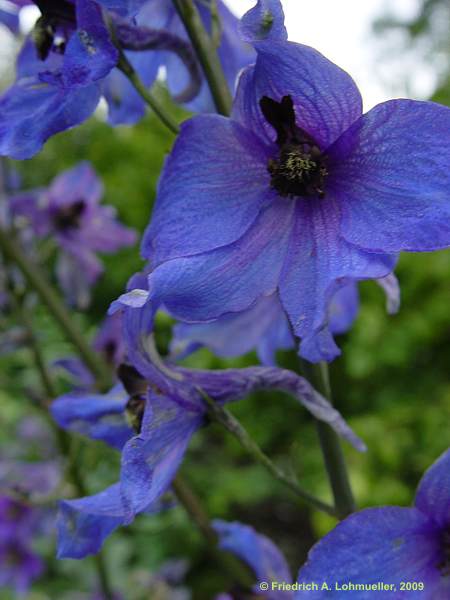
(166, 408)
(297, 193)
(267, 328)
(20, 566)
(69, 210)
(389, 545)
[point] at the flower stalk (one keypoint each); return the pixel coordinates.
(207, 55)
(37, 280)
(331, 447)
(226, 419)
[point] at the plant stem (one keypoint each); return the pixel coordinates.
(225, 418)
(207, 55)
(193, 506)
(127, 69)
(63, 439)
(37, 280)
(331, 447)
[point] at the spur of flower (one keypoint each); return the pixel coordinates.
(297, 193)
(69, 210)
(165, 405)
(390, 544)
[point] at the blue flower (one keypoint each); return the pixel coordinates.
(166, 407)
(297, 193)
(390, 545)
(267, 327)
(69, 210)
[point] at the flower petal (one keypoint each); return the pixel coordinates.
(98, 416)
(319, 262)
(213, 186)
(390, 172)
(326, 99)
(205, 286)
(32, 111)
(433, 492)
(265, 21)
(387, 545)
(258, 551)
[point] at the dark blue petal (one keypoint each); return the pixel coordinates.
(32, 111)
(258, 551)
(391, 175)
(433, 493)
(326, 99)
(213, 185)
(265, 21)
(98, 416)
(343, 308)
(387, 545)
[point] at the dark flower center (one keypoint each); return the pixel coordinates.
(136, 386)
(68, 217)
(300, 169)
(51, 29)
(444, 566)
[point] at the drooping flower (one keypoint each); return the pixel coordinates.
(390, 544)
(297, 193)
(69, 210)
(267, 328)
(166, 406)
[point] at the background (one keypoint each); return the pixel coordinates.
(392, 381)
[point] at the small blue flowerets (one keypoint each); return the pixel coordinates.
(166, 408)
(389, 545)
(297, 193)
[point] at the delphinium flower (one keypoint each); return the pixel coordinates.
(70, 61)
(69, 210)
(267, 328)
(20, 566)
(297, 193)
(388, 545)
(166, 407)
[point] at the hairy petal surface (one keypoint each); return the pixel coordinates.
(390, 173)
(389, 545)
(433, 493)
(326, 99)
(212, 188)
(258, 551)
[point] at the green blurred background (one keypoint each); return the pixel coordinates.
(392, 381)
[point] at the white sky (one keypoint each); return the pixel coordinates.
(341, 30)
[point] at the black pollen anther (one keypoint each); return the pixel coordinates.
(300, 168)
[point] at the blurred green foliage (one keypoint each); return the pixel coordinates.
(392, 383)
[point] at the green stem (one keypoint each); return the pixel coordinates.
(62, 437)
(207, 55)
(127, 69)
(331, 446)
(225, 418)
(191, 503)
(37, 280)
